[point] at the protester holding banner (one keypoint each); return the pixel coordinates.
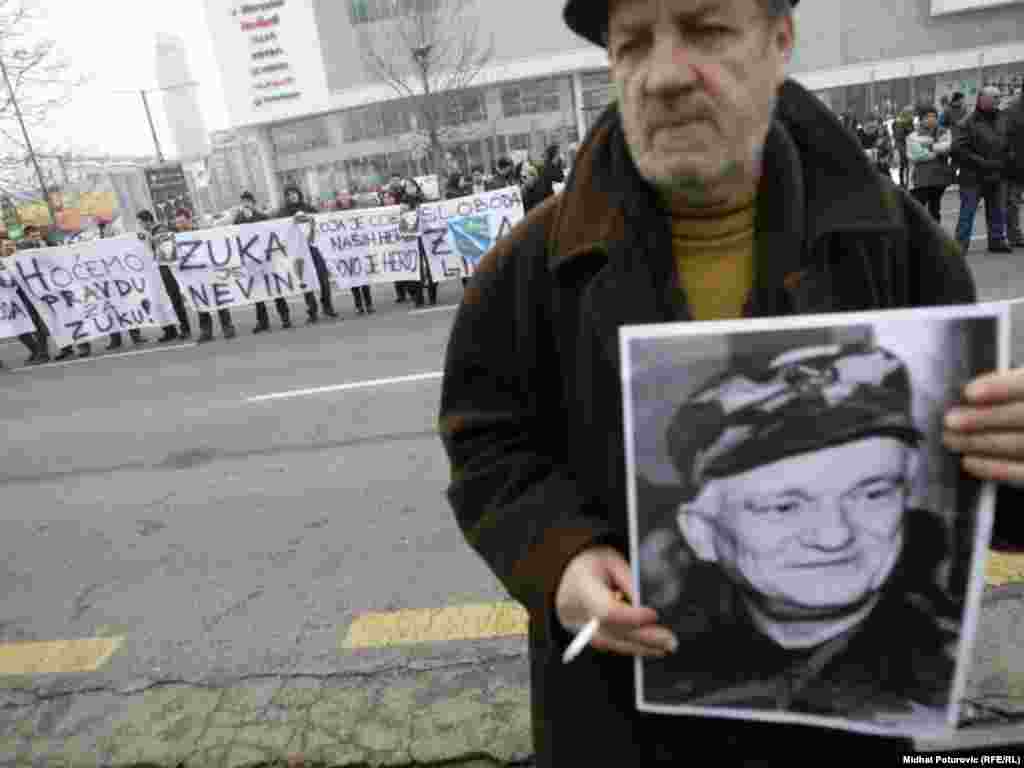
(411, 197)
(33, 239)
(183, 223)
(296, 205)
(17, 315)
(151, 228)
(248, 213)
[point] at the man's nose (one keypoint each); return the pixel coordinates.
(671, 66)
(830, 529)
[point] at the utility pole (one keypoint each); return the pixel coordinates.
(28, 141)
(152, 128)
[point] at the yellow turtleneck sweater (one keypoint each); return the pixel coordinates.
(714, 253)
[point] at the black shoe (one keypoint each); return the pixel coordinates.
(204, 337)
(186, 333)
(65, 354)
(230, 332)
(286, 324)
(331, 314)
(359, 311)
(140, 340)
(261, 328)
(169, 335)
(1000, 247)
(84, 352)
(370, 310)
(114, 344)
(400, 300)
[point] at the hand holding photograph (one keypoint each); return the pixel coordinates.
(796, 521)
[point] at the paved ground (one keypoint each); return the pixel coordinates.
(204, 562)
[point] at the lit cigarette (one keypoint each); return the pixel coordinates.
(580, 641)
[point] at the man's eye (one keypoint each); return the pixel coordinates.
(780, 507)
(881, 491)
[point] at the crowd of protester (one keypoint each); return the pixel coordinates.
(931, 147)
(536, 184)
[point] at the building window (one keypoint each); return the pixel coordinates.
(519, 142)
(597, 95)
(530, 98)
(376, 121)
(299, 136)
(370, 11)
(465, 107)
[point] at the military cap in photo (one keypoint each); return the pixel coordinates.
(805, 400)
(589, 18)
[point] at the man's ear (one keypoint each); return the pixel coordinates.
(694, 523)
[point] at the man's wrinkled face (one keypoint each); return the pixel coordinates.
(815, 534)
(696, 82)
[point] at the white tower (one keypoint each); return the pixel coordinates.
(180, 102)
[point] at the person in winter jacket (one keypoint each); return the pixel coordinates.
(296, 205)
(877, 145)
(928, 151)
(410, 197)
(1013, 128)
(248, 213)
(979, 147)
(773, 211)
(954, 112)
(902, 127)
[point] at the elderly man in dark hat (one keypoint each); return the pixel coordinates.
(713, 187)
(798, 477)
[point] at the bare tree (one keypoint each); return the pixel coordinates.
(36, 80)
(427, 51)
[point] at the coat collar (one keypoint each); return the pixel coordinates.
(816, 181)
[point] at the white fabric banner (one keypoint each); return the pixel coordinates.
(94, 288)
(14, 317)
(241, 265)
(369, 246)
(457, 233)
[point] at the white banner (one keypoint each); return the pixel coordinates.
(364, 247)
(457, 233)
(236, 266)
(95, 288)
(14, 317)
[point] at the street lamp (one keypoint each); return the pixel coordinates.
(149, 115)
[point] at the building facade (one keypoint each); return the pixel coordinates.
(319, 117)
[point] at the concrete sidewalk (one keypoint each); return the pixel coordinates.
(470, 714)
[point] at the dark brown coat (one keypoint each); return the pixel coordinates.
(531, 409)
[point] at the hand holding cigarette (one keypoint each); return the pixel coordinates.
(595, 595)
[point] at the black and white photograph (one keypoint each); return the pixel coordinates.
(796, 521)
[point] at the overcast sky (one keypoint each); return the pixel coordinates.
(114, 42)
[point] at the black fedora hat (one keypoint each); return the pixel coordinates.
(588, 18)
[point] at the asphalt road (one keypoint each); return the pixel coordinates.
(147, 495)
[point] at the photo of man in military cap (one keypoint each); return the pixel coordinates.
(803, 583)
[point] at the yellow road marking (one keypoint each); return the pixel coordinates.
(57, 656)
(436, 625)
(1003, 568)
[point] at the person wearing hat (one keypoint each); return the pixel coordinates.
(247, 214)
(928, 149)
(713, 187)
(797, 528)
